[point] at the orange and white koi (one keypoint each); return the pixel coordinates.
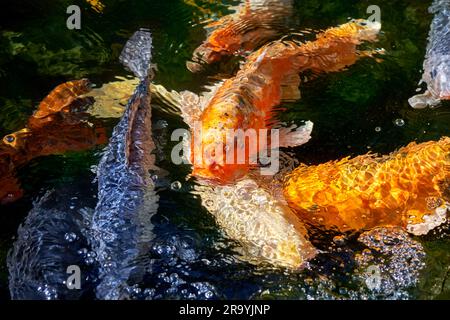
(409, 188)
(249, 100)
(254, 23)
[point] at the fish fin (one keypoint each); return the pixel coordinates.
(62, 96)
(186, 147)
(421, 101)
(290, 87)
(166, 101)
(370, 53)
(137, 54)
(294, 136)
(210, 91)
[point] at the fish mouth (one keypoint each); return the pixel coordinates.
(219, 175)
(202, 57)
(194, 67)
(370, 30)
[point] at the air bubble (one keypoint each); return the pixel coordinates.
(399, 122)
(377, 129)
(339, 240)
(82, 252)
(176, 185)
(70, 237)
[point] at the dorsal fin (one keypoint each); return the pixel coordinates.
(61, 97)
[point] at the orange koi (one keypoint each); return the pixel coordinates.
(249, 100)
(63, 99)
(253, 24)
(409, 188)
(59, 125)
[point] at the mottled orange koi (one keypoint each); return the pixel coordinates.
(59, 125)
(61, 100)
(409, 188)
(249, 100)
(253, 24)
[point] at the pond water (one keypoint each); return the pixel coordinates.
(364, 108)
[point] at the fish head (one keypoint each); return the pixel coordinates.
(360, 30)
(17, 140)
(437, 77)
(221, 43)
(211, 163)
(218, 153)
(220, 174)
(202, 56)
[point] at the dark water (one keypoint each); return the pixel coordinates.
(37, 52)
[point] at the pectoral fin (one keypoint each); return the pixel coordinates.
(294, 136)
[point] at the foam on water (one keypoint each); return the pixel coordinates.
(52, 238)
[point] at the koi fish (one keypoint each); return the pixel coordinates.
(254, 23)
(437, 61)
(121, 224)
(58, 125)
(265, 228)
(410, 188)
(64, 99)
(248, 101)
(251, 213)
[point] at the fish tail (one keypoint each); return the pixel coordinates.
(137, 54)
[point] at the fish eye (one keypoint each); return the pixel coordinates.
(10, 138)
(363, 23)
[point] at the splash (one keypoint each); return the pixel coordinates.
(391, 263)
(52, 238)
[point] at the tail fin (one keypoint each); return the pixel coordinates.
(137, 53)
